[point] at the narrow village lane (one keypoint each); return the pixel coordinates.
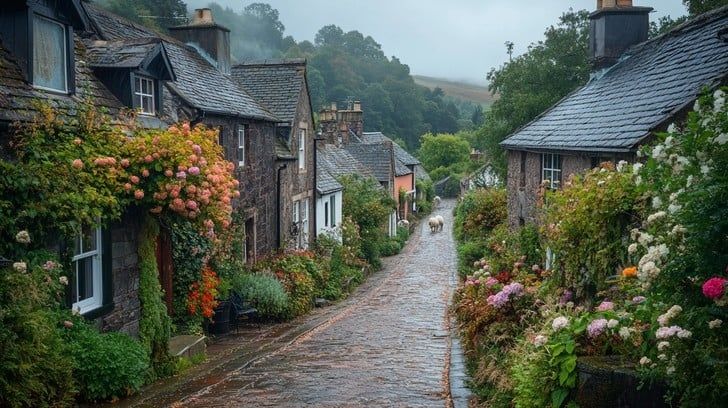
(387, 345)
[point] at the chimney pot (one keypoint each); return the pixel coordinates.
(203, 16)
(607, 4)
(333, 106)
(624, 3)
(357, 105)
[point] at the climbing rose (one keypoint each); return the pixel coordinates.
(714, 288)
(138, 194)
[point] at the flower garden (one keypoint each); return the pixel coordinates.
(629, 266)
(87, 171)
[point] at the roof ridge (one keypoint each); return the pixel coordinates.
(272, 61)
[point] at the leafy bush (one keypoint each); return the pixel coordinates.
(35, 370)
(468, 253)
(264, 292)
(479, 212)
(300, 276)
(105, 365)
(390, 247)
(589, 243)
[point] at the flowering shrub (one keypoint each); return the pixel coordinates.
(202, 298)
(479, 212)
(588, 243)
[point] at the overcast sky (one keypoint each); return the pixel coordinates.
(458, 39)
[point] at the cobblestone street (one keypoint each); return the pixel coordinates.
(387, 345)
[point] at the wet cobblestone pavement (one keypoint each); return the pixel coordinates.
(386, 345)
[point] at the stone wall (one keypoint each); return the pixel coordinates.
(297, 182)
(523, 186)
(124, 317)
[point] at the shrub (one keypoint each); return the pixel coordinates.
(264, 292)
(301, 278)
(589, 243)
(107, 365)
(468, 253)
(479, 212)
(390, 247)
(35, 370)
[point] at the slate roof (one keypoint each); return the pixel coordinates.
(325, 182)
(18, 98)
(399, 153)
(282, 150)
(377, 157)
(650, 84)
(341, 163)
(277, 84)
(122, 53)
(198, 83)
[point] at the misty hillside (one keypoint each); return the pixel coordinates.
(477, 94)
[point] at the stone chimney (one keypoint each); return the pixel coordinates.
(353, 117)
(616, 25)
(329, 125)
(210, 39)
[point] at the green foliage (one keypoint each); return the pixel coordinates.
(534, 81)
(106, 366)
(703, 6)
(468, 253)
(479, 212)
(590, 243)
(35, 369)
(301, 278)
(442, 150)
(185, 363)
(264, 292)
(425, 196)
(154, 323)
(369, 207)
(530, 372)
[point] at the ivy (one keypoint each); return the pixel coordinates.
(155, 324)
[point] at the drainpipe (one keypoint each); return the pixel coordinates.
(317, 138)
(280, 206)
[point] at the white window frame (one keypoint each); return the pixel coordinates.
(64, 30)
(95, 301)
(241, 145)
(303, 232)
(302, 149)
(141, 95)
(551, 169)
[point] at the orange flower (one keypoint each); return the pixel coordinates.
(630, 272)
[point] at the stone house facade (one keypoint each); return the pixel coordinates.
(281, 86)
(638, 87)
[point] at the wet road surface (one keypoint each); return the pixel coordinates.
(387, 345)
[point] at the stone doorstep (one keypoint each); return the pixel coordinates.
(187, 345)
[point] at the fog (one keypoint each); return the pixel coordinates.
(457, 39)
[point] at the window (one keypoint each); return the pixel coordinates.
(303, 232)
(50, 55)
(86, 291)
(302, 149)
(144, 95)
(551, 164)
(296, 212)
(241, 146)
(326, 214)
(333, 210)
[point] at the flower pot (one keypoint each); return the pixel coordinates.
(221, 320)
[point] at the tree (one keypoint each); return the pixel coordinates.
(329, 35)
(534, 81)
(696, 7)
(443, 150)
(156, 14)
(478, 116)
(665, 24)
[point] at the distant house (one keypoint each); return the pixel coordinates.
(638, 87)
(392, 166)
(281, 86)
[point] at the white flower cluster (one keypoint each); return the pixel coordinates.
(664, 319)
(560, 323)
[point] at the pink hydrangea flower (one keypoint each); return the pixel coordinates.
(714, 288)
(491, 281)
(606, 305)
(181, 175)
(194, 170)
(597, 327)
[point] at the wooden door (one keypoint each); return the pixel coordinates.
(165, 267)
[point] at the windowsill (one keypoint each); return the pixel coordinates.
(51, 90)
(99, 311)
(146, 114)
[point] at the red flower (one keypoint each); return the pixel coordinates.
(714, 287)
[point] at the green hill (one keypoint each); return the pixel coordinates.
(457, 89)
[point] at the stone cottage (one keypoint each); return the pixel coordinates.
(281, 86)
(204, 92)
(638, 87)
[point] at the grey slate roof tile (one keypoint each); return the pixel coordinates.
(651, 83)
(277, 84)
(377, 157)
(122, 53)
(198, 83)
(399, 153)
(326, 183)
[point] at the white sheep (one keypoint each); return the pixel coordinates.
(437, 201)
(440, 221)
(433, 223)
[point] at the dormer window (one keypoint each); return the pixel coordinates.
(50, 54)
(144, 95)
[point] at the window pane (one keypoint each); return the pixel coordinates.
(326, 214)
(84, 279)
(333, 210)
(49, 54)
(88, 239)
(137, 84)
